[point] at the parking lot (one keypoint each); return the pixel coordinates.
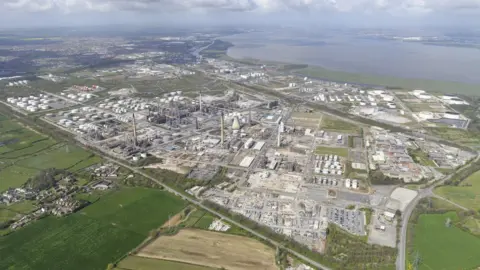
(352, 221)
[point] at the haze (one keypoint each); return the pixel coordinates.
(306, 13)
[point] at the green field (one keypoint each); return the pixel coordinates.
(333, 124)
(204, 222)
(15, 176)
(444, 248)
(421, 157)
(90, 239)
(141, 263)
(60, 157)
(341, 152)
(24, 153)
(457, 135)
(466, 194)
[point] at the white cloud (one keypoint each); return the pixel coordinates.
(395, 6)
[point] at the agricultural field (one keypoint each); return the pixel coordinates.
(15, 176)
(62, 156)
(467, 193)
(444, 247)
(211, 249)
(25, 152)
(323, 150)
(142, 263)
(93, 237)
(337, 125)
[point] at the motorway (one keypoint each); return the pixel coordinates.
(423, 193)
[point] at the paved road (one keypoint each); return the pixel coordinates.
(423, 193)
(199, 204)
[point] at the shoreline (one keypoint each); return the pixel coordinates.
(362, 79)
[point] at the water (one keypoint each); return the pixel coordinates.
(360, 55)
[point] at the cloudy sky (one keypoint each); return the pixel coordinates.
(370, 12)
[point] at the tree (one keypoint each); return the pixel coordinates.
(398, 213)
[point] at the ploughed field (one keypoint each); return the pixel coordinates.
(211, 249)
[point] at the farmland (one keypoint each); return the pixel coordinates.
(142, 263)
(24, 153)
(93, 237)
(211, 249)
(466, 194)
(442, 247)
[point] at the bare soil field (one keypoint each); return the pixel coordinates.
(212, 249)
(173, 221)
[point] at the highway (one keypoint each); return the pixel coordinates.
(423, 193)
(231, 221)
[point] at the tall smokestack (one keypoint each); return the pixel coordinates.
(200, 100)
(250, 116)
(222, 124)
(278, 137)
(281, 128)
(134, 130)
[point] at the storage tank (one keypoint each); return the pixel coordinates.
(451, 115)
(425, 115)
(236, 123)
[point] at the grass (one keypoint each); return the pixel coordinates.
(341, 152)
(204, 222)
(142, 263)
(91, 160)
(353, 252)
(61, 157)
(194, 217)
(26, 152)
(333, 124)
(472, 224)
(444, 248)
(15, 176)
(92, 238)
(421, 157)
(457, 135)
(23, 207)
(467, 194)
